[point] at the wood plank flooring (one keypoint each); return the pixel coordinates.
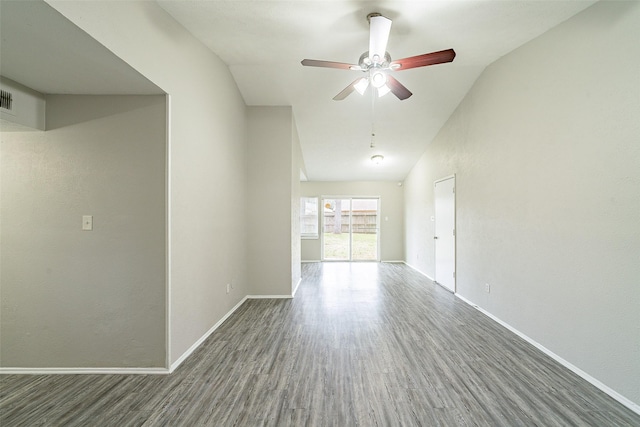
(361, 344)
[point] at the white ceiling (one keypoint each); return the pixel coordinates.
(263, 42)
(41, 49)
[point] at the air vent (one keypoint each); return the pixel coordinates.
(6, 100)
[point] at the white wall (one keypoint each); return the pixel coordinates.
(546, 151)
(391, 212)
(273, 168)
(206, 155)
(73, 298)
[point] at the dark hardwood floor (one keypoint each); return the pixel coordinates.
(361, 344)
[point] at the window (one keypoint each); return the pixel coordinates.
(309, 217)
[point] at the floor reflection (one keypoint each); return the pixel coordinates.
(350, 292)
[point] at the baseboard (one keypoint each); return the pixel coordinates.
(143, 371)
(87, 371)
(416, 269)
(197, 344)
(310, 261)
(293, 294)
(606, 389)
(269, 296)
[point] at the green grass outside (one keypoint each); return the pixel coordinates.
(336, 246)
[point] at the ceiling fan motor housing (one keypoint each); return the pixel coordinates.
(375, 69)
(366, 63)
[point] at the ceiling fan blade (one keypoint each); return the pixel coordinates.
(329, 64)
(398, 88)
(346, 91)
(379, 28)
(423, 60)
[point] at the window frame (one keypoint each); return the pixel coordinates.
(303, 204)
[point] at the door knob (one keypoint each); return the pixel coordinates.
(435, 237)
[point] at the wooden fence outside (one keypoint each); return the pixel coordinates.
(364, 222)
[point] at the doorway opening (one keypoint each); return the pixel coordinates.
(350, 229)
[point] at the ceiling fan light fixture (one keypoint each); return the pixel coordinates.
(383, 90)
(362, 85)
(377, 159)
(378, 79)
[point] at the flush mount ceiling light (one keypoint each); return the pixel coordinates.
(377, 159)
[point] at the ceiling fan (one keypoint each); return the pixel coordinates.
(377, 63)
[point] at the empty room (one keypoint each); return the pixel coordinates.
(411, 213)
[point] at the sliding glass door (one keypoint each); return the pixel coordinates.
(336, 229)
(364, 230)
(350, 229)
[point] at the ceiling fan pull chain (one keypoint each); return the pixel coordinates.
(373, 119)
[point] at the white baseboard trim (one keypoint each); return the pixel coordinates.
(269, 296)
(421, 272)
(86, 371)
(293, 294)
(390, 261)
(138, 371)
(310, 260)
(606, 389)
(197, 344)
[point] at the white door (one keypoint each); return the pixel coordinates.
(445, 233)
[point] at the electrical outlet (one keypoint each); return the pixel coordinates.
(487, 288)
(228, 287)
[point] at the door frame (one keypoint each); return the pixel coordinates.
(455, 234)
(321, 231)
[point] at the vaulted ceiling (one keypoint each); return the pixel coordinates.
(263, 42)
